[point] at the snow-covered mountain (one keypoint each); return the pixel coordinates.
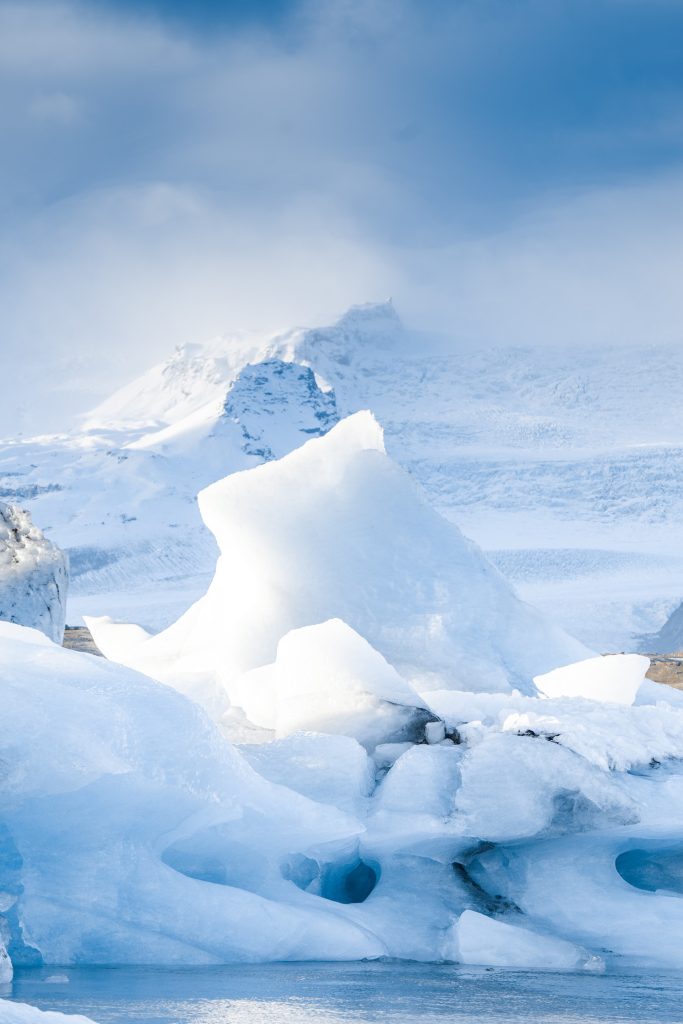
(564, 466)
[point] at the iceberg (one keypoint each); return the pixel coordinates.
(616, 678)
(33, 575)
(132, 832)
(336, 530)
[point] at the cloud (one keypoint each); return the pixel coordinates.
(506, 170)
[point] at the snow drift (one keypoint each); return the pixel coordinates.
(336, 530)
(33, 575)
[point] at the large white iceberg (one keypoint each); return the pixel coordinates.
(336, 530)
(33, 575)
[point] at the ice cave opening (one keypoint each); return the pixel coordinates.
(652, 870)
(346, 881)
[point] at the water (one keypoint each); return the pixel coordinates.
(398, 993)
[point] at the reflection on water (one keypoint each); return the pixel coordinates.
(396, 993)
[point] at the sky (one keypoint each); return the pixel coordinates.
(508, 171)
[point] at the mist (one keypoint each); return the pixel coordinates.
(168, 177)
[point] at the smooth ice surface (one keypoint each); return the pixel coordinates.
(336, 530)
(357, 994)
(33, 575)
(615, 679)
(326, 678)
(481, 940)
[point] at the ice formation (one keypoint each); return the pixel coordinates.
(21, 1013)
(615, 679)
(33, 575)
(553, 462)
(133, 833)
(328, 679)
(336, 530)
(423, 766)
(482, 940)
(508, 830)
(6, 968)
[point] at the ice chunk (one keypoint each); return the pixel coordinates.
(131, 831)
(22, 1013)
(327, 678)
(482, 940)
(33, 575)
(336, 530)
(614, 679)
(6, 969)
(515, 787)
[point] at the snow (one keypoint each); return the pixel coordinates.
(33, 575)
(335, 530)
(354, 739)
(21, 1013)
(551, 460)
(615, 679)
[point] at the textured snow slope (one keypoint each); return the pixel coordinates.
(33, 575)
(336, 530)
(567, 467)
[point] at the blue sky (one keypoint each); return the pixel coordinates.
(508, 171)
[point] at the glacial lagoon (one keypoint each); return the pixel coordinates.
(356, 993)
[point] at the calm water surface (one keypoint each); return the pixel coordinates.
(350, 994)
